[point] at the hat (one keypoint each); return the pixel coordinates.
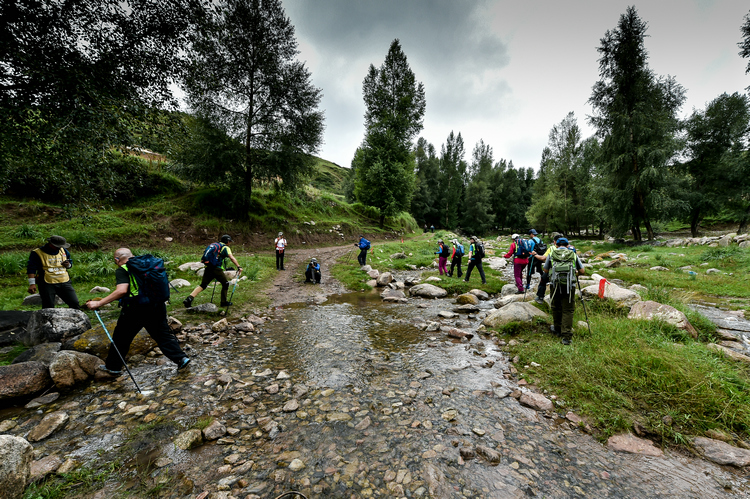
(562, 242)
(515, 236)
(361, 236)
(314, 260)
(532, 231)
(226, 238)
(281, 234)
(58, 242)
(473, 238)
(440, 240)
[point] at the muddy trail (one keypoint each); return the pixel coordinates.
(344, 398)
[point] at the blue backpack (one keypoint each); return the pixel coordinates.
(211, 255)
(522, 248)
(149, 278)
(364, 244)
(460, 250)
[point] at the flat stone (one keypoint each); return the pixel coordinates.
(729, 353)
(515, 312)
(622, 296)
(291, 406)
(338, 416)
(650, 310)
(427, 291)
(43, 467)
(206, 308)
(48, 425)
(721, 452)
(467, 299)
(482, 295)
(446, 315)
(489, 454)
(536, 401)
(634, 445)
(214, 431)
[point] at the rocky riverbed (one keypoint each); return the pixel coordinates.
(351, 398)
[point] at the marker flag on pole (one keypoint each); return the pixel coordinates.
(602, 285)
(402, 240)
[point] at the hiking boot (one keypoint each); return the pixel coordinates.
(188, 302)
(226, 304)
(484, 282)
(539, 300)
(565, 341)
(111, 372)
(183, 363)
(466, 280)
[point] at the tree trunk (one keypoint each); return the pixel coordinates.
(695, 221)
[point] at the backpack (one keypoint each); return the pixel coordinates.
(460, 250)
(211, 255)
(522, 249)
(366, 244)
(540, 247)
(562, 270)
(479, 247)
(149, 277)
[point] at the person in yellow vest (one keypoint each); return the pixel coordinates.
(47, 270)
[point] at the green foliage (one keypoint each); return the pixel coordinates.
(13, 263)
(26, 231)
(7, 357)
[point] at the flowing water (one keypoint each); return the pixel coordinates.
(351, 399)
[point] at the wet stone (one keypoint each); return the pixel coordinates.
(50, 423)
(189, 439)
(43, 400)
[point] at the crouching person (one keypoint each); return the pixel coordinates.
(312, 273)
(152, 315)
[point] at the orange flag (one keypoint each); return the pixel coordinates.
(602, 284)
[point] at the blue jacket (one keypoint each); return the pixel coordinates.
(531, 243)
(363, 243)
(314, 266)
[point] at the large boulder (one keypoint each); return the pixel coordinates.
(482, 295)
(650, 310)
(495, 263)
(467, 299)
(36, 300)
(373, 274)
(14, 466)
(26, 378)
(55, 325)
(621, 296)
(507, 300)
(514, 312)
(508, 289)
(43, 353)
(95, 341)
(194, 266)
(427, 291)
(14, 318)
(393, 296)
(384, 279)
(70, 367)
(721, 452)
(180, 283)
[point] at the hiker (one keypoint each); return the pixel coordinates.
(476, 253)
(214, 258)
(47, 270)
(562, 265)
(521, 254)
(456, 257)
(134, 317)
(363, 246)
(312, 272)
(535, 265)
(542, 288)
(432, 228)
(280, 243)
(425, 228)
(443, 253)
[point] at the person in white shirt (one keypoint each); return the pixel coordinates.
(280, 244)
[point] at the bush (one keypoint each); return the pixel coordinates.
(13, 264)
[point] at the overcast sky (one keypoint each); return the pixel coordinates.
(504, 71)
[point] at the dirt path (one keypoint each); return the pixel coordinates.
(289, 286)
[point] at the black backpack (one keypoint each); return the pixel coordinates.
(479, 247)
(540, 247)
(150, 278)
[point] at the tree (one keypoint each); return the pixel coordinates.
(243, 79)
(395, 106)
(477, 216)
(635, 113)
(425, 201)
(745, 43)
(715, 144)
(76, 80)
(452, 180)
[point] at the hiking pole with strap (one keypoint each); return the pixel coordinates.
(588, 324)
(116, 350)
(236, 280)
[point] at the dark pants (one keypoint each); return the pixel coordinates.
(542, 285)
(132, 319)
(64, 290)
(212, 273)
(279, 260)
(534, 266)
(475, 262)
(563, 306)
(456, 262)
(312, 275)
(362, 257)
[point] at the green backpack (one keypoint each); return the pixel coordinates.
(563, 270)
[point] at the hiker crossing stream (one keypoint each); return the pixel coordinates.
(349, 399)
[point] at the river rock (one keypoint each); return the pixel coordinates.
(393, 296)
(713, 271)
(374, 274)
(384, 279)
(515, 312)
(15, 466)
(189, 439)
(180, 283)
(466, 309)
(100, 289)
(650, 310)
(220, 326)
(634, 445)
(291, 406)
(536, 401)
(214, 431)
(244, 327)
(71, 367)
(43, 400)
(507, 300)
(95, 342)
(446, 314)
(398, 256)
(43, 467)
(36, 299)
(638, 288)
(467, 299)
(25, 378)
(43, 353)
(659, 268)
(621, 296)
(194, 266)
(495, 263)
(721, 452)
(728, 353)
(480, 294)
(489, 454)
(508, 289)
(205, 308)
(365, 268)
(296, 465)
(55, 325)
(459, 333)
(428, 291)
(48, 425)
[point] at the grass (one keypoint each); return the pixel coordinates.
(7, 357)
(73, 484)
(645, 372)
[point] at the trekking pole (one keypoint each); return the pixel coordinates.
(116, 350)
(212, 292)
(584, 306)
(236, 280)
